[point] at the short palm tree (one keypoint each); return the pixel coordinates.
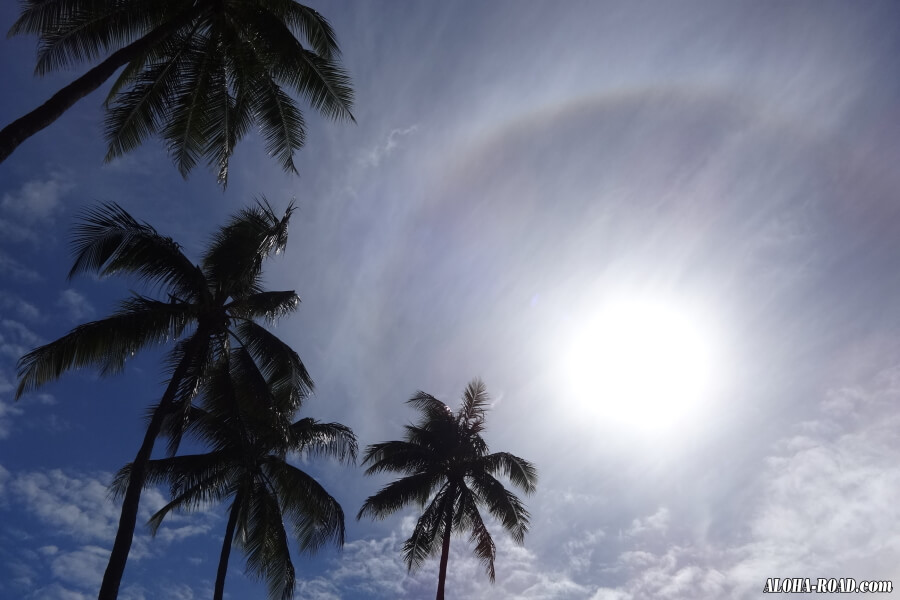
(450, 472)
(206, 310)
(248, 430)
(197, 72)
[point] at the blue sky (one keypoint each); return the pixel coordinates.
(513, 167)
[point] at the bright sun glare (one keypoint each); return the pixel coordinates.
(642, 364)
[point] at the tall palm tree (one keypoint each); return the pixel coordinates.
(450, 472)
(206, 310)
(249, 433)
(198, 72)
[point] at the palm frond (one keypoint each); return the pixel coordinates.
(431, 408)
(316, 516)
(282, 367)
(188, 116)
(265, 545)
(307, 23)
(137, 113)
(38, 16)
(323, 439)
(195, 355)
(502, 504)
(86, 30)
(399, 457)
(480, 537)
(234, 259)
(109, 241)
(519, 471)
(106, 344)
(269, 306)
(280, 120)
(475, 404)
(317, 78)
(426, 536)
(413, 489)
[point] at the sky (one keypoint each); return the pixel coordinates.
(526, 187)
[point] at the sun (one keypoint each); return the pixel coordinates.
(642, 363)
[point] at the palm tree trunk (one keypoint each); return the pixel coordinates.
(219, 590)
(115, 568)
(23, 128)
(445, 556)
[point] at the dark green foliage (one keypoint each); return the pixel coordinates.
(449, 472)
(250, 436)
(210, 70)
(206, 319)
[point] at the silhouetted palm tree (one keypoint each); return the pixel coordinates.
(198, 72)
(249, 432)
(450, 472)
(208, 309)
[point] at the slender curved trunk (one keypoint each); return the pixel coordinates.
(445, 556)
(23, 128)
(115, 568)
(219, 590)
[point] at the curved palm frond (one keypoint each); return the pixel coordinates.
(319, 79)
(268, 306)
(106, 344)
(234, 259)
(138, 112)
(109, 241)
(424, 540)
(188, 118)
(307, 23)
(285, 373)
(317, 517)
(480, 538)
(413, 489)
(264, 542)
(397, 456)
(431, 408)
(475, 403)
(502, 504)
(519, 471)
(79, 30)
(331, 440)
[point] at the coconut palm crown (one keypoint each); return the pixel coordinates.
(450, 473)
(200, 313)
(249, 435)
(199, 73)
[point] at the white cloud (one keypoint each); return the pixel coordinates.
(36, 201)
(56, 591)
(75, 304)
(7, 412)
(77, 506)
(179, 592)
(21, 307)
(12, 268)
(82, 568)
(378, 153)
(658, 522)
(171, 534)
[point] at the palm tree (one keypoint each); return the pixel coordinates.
(198, 72)
(450, 472)
(208, 308)
(249, 432)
